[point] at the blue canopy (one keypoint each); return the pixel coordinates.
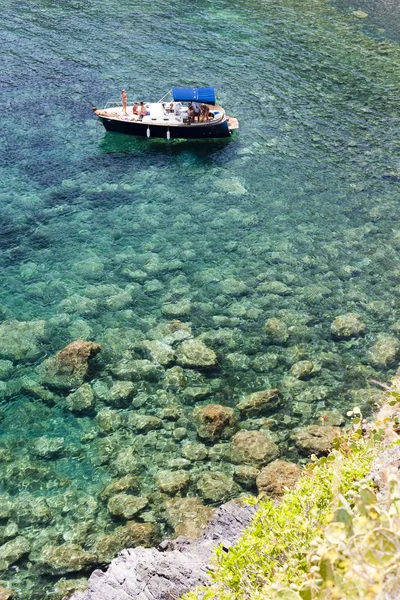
(206, 94)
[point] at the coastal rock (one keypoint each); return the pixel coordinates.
(12, 551)
(233, 287)
(48, 447)
(6, 593)
(8, 532)
(20, 340)
(246, 476)
(126, 506)
(177, 309)
(31, 510)
(121, 394)
(252, 448)
(276, 477)
(5, 507)
(188, 516)
(315, 439)
(145, 423)
(193, 353)
(108, 420)
(129, 536)
(260, 402)
(159, 352)
(174, 379)
(193, 451)
(82, 400)
(277, 331)
(172, 482)
(215, 486)
(70, 366)
(151, 574)
(384, 353)
(348, 326)
(138, 370)
(215, 421)
(6, 369)
(125, 484)
(67, 558)
(302, 369)
(193, 394)
(126, 462)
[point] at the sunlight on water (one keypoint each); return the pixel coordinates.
(253, 246)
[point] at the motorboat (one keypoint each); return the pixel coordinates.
(188, 113)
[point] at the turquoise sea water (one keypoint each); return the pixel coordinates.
(108, 238)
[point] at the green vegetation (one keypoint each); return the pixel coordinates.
(328, 539)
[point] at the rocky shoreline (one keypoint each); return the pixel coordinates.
(173, 568)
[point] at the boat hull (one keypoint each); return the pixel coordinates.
(194, 131)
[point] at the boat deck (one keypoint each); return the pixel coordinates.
(162, 114)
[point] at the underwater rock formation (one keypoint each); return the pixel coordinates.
(276, 477)
(70, 366)
(253, 448)
(215, 421)
(348, 326)
(315, 439)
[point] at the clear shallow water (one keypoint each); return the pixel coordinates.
(305, 195)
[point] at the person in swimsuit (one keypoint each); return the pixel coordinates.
(124, 99)
(142, 111)
(204, 112)
(196, 110)
(135, 109)
(190, 113)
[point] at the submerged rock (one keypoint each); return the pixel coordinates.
(67, 558)
(121, 394)
(129, 536)
(194, 451)
(126, 506)
(70, 366)
(172, 482)
(216, 486)
(6, 593)
(12, 551)
(348, 326)
(252, 448)
(315, 439)
(188, 516)
(385, 352)
(82, 400)
(48, 447)
(215, 421)
(126, 483)
(260, 402)
(277, 331)
(277, 476)
(19, 340)
(303, 369)
(246, 476)
(143, 422)
(193, 353)
(138, 370)
(160, 352)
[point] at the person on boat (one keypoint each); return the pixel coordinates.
(135, 109)
(124, 99)
(142, 111)
(196, 110)
(204, 112)
(190, 113)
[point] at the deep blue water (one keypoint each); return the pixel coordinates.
(306, 194)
